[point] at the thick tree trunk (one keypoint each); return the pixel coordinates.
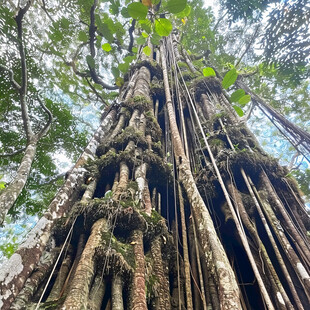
(121, 254)
(225, 278)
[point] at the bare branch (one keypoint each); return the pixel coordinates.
(247, 116)
(95, 91)
(43, 6)
(219, 21)
(54, 179)
(249, 45)
(13, 153)
(75, 70)
(47, 126)
(11, 76)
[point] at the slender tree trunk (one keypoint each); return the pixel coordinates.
(13, 190)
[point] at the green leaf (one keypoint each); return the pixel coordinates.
(119, 81)
(163, 26)
(2, 185)
(106, 47)
(175, 6)
(236, 95)
(106, 32)
(90, 61)
(123, 67)
(238, 110)
(144, 34)
(137, 10)
(208, 72)
(146, 25)
(155, 39)
(115, 72)
(141, 40)
(125, 13)
(244, 100)
(185, 12)
(147, 50)
(82, 36)
(135, 50)
(229, 78)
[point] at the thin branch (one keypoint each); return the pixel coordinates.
(43, 6)
(248, 74)
(219, 20)
(75, 70)
(76, 54)
(291, 164)
(54, 179)
(13, 153)
(96, 92)
(92, 36)
(47, 126)
(249, 45)
(11, 77)
(247, 116)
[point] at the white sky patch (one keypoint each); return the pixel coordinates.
(62, 161)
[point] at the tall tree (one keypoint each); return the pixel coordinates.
(171, 160)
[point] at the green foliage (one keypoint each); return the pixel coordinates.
(137, 10)
(147, 50)
(106, 47)
(244, 100)
(244, 9)
(237, 95)
(238, 110)
(208, 72)
(229, 78)
(163, 27)
(303, 179)
(175, 6)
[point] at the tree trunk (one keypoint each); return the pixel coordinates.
(120, 252)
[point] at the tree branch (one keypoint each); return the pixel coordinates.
(92, 29)
(247, 116)
(24, 82)
(47, 126)
(249, 45)
(130, 31)
(11, 77)
(95, 91)
(13, 153)
(54, 179)
(92, 36)
(43, 6)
